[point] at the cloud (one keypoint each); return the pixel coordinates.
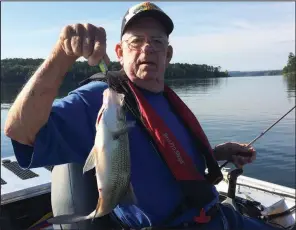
(242, 40)
(111, 26)
(208, 17)
(236, 36)
(225, 49)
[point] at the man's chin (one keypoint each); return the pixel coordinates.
(148, 76)
(153, 85)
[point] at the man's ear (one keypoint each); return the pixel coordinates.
(119, 53)
(169, 55)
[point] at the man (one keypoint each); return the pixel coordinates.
(48, 132)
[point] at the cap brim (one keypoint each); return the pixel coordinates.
(163, 18)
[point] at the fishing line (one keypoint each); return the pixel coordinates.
(103, 67)
(253, 141)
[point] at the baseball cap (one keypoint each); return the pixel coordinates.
(146, 9)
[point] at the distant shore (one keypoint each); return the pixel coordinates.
(19, 70)
(255, 73)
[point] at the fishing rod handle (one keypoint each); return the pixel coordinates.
(232, 178)
(247, 154)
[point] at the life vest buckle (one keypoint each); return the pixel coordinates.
(202, 218)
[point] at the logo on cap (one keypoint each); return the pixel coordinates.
(139, 8)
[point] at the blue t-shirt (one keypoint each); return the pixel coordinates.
(69, 134)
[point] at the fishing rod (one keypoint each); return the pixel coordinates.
(253, 141)
(104, 68)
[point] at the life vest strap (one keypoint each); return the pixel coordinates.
(190, 184)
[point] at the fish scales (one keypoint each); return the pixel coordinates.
(120, 169)
(110, 156)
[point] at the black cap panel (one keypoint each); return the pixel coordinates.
(146, 9)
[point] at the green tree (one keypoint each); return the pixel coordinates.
(18, 70)
(290, 68)
(289, 72)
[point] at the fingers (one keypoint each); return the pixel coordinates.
(106, 59)
(240, 161)
(65, 39)
(86, 46)
(88, 40)
(76, 40)
(100, 46)
(97, 55)
(68, 47)
(241, 154)
(85, 40)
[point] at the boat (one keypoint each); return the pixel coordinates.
(26, 195)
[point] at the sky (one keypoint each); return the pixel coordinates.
(238, 36)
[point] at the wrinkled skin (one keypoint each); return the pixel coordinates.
(237, 153)
(147, 76)
(84, 40)
(151, 78)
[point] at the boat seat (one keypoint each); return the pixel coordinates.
(73, 192)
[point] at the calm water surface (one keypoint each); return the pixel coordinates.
(230, 109)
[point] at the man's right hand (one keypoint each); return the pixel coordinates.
(23, 123)
(84, 40)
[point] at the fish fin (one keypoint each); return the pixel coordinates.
(124, 130)
(90, 162)
(72, 218)
(67, 219)
(96, 210)
(130, 197)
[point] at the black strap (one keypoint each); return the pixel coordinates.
(178, 211)
(117, 81)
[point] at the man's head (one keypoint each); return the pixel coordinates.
(144, 51)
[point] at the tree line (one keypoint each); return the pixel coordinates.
(289, 73)
(255, 73)
(19, 70)
(290, 68)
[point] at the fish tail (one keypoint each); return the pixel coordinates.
(130, 197)
(72, 218)
(67, 219)
(96, 210)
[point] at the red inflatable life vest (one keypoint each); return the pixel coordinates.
(197, 187)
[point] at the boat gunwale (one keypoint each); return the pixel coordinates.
(25, 193)
(263, 185)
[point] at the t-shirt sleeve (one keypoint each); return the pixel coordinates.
(69, 134)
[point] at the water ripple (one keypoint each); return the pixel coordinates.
(233, 109)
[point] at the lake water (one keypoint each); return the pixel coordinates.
(230, 109)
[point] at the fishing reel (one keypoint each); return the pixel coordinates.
(255, 209)
(230, 196)
(246, 207)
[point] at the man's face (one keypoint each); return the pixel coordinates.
(144, 53)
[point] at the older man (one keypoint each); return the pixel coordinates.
(45, 131)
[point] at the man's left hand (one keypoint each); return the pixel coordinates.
(237, 153)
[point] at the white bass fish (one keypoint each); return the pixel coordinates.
(110, 157)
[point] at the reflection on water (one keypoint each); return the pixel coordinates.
(229, 109)
(202, 85)
(10, 91)
(290, 82)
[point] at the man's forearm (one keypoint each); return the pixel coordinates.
(219, 153)
(217, 157)
(31, 109)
